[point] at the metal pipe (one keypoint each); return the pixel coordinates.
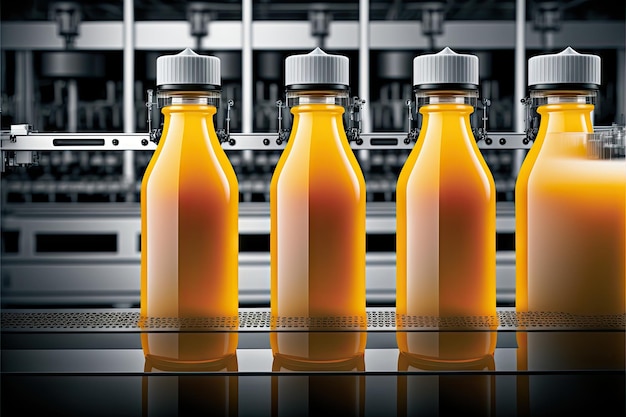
(520, 78)
(364, 73)
(520, 64)
(24, 87)
(72, 106)
(620, 115)
(129, 66)
(129, 88)
(246, 63)
(620, 84)
(364, 61)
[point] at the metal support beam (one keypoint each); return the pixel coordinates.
(285, 35)
(129, 89)
(520, 79)
(246, 70)
(242, 141)
(364, 61)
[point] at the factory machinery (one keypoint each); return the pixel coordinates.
(72, 160)
(89, 252)
(79, 122)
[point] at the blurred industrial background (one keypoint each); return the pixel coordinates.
(86, 66)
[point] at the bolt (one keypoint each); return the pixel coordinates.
(144, 142)
(502, 141)
(359, 141)
(488, 141)
(525, 141)
(266, 142)
(231, 142)
(116, 142)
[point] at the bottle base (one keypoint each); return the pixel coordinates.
(429, 362)
(304, 364)
(168, 364)
(315, 347)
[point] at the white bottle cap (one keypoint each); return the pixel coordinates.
(317, 69)
(445, 67)
(567, 67)
(188, 69)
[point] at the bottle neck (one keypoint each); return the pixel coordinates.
(188, 115)
(563, 110)
(544, 97)
(327, 97)
(449, 109)
(458, 97)
(184, 98)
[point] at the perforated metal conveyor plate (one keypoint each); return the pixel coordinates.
(378, 319)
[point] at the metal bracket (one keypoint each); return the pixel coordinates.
(412, 132)
(283, 134)
(531, 126)
(224, 134)
(354, 130)
(155, 134)
(481, 132)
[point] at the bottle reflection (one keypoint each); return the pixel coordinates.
(316, 389)
(323, 347)
(195, 343)
(599, 357)
(207, 390)
(454, 341)
(456, 389)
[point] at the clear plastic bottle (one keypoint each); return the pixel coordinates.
(445, 211)
(317, 207)
(189, 215)
(570, 232)
(563, 89)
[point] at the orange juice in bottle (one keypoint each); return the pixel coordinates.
(317, 207)
(563, 89)
(445, 210)
(575, 226)
(570, 228)
(189, 218)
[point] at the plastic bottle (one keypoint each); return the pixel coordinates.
(189, 217)
(563, 88)
(445, 211)
(317, 207)
(570, 230)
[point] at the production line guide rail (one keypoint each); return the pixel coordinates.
(22, 138)
(90, 362)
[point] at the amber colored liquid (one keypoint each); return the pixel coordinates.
(317, 206)
(576, 258)
(576, 230)
(556, 118)
(571, 252)
(445, 211)
(189, 241)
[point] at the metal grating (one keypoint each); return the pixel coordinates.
(260, 320)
